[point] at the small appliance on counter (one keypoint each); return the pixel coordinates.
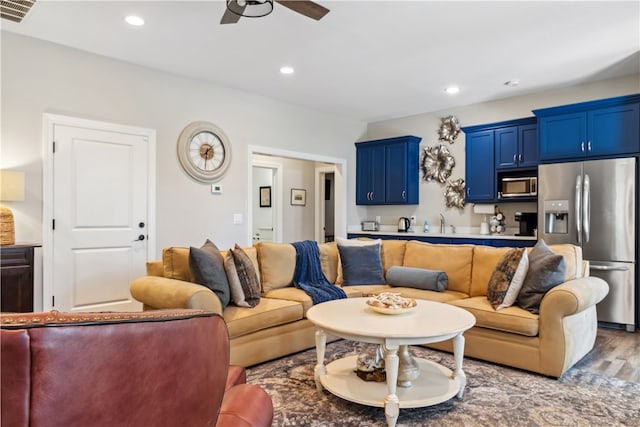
(404, 224)
(528, 223)
(370, 226)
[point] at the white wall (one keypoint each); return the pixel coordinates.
(39, 77)
(432, 201)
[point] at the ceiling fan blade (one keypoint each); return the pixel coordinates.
(306, 8)
(230, 17)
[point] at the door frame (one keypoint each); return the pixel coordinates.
(276, 196)
(49, 123)
(340, 179)
(320, 173)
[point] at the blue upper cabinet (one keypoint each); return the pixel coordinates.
(479, 166)
(387, 171)
(604, 128)
(501, 146)
(370, 165)
(516, 146)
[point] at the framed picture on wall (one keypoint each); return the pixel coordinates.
(265, 197)
(298, 197)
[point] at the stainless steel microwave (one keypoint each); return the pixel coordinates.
(518, 187)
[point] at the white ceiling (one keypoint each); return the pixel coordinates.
(366, 60)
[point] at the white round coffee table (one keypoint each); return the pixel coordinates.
(429, 322)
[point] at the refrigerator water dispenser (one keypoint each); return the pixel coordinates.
(556, 216)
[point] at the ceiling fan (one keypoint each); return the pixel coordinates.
(258, 8)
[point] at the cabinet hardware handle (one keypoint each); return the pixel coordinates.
(520, 158)
(589, 146)
(468, 190)
(404, 195)
(515, 158)
(582, 146)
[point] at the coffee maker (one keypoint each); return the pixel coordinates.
(528, 223)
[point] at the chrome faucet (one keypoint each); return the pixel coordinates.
(442, 225)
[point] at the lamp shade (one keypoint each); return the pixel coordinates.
(11, 186)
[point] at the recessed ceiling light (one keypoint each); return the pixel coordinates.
(286, 70)
(452, 90)
(136, 21)
(512, 83)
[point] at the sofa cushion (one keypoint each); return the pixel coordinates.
(420, 278)
(247, 276)
(392, 253)
(510, 269)
(485, 259)
(444, 296)
(361, 265)
(207, 269)
(277, 265)
(175, 263)
(329, 260)
(455, 260)
(546, 270)
(270, 312)
(511, 319)
(572, 255)
(358, 241)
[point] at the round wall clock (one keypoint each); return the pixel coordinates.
(204, 151)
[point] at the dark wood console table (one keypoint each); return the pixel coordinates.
(16, 280)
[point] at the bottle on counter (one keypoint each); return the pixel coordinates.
(426, 226)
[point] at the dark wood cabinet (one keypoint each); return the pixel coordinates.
(16, 281)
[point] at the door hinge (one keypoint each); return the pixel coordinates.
(54, 146)
(53, 224)
(53, 301)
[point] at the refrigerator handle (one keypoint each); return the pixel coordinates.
(578, 210)
(607, 268)
(586, 207)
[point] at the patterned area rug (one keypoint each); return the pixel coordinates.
(494, 396)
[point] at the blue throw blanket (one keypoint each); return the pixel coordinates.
(308, 274)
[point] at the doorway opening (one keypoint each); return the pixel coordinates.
(315, 218)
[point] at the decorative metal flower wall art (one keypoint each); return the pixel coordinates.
(454, 194)
(449, 129)
(437, 163)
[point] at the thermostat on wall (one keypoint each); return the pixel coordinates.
(216, 188)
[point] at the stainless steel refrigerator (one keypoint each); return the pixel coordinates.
(592, 204)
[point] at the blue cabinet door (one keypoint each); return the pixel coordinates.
(370, 172)
(506, 147)
(480, 171)
(563, 136)
(613, 130)
(528, 146)
(401, 168)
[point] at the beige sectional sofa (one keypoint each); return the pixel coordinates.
(548, 343)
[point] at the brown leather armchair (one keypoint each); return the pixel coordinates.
(162, 368)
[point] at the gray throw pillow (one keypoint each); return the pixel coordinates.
(546, 270)
(207, 268)
(419, 278)
(361, 265)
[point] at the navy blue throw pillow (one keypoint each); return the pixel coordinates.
(361, 265)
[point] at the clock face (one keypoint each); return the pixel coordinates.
(204, 151)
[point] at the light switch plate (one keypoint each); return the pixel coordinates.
(216, 188)
(237, 218)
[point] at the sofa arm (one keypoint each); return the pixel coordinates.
(161, 292)
(568, 323)
(574, 296)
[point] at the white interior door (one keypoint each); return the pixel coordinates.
(100, 218)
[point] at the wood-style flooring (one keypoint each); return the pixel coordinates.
(615, 354)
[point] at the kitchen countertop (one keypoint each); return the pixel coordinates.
(461, 233)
